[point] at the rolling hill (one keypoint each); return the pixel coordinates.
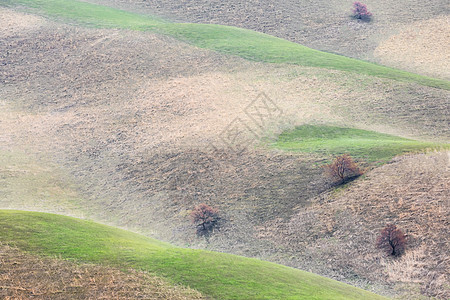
(328, 26)
(230, 40)
(221, 276)
(368, 146)
(26, 275)
(126, 118)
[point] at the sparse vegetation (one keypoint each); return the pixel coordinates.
(360, 11)
(205, 217)
(392, 240)
(411, 191)
(342, 169)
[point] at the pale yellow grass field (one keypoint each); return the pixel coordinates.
(193, 111)
(421, 47)
(12, 22)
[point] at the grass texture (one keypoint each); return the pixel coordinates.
(362, 144)
(219, 275)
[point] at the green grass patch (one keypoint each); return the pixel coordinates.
(225, 39)
(219, 275)
(364, 145)
(89, 14)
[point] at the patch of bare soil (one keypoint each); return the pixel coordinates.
(25, 276)
(339, 229)
(420, 47)
(12, 22)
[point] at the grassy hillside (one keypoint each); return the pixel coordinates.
(370, 146)
(32, 185)
(231, 40)
(25, 276)
(219, 275)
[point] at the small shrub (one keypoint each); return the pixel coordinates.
(204, 216)
(360, 11)
(342, 169)
(392, 240)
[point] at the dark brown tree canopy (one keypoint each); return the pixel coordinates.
(392, 240)
(204, 216)
(342, 168)
(360, 11)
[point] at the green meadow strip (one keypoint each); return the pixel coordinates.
(225, 39)
(89, 14)
(369, 146)
(218, 275)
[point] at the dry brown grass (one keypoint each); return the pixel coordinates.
(340, 228)
(25, 276)
(13, 23)
(419, 47)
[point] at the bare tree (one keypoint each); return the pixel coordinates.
(342, 169)
(392, 240)
(204, 216)
(360, 11)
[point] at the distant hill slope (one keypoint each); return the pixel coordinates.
(230, 40)
(222, 276)
(420, 47)
(364, 145)
(328, 26)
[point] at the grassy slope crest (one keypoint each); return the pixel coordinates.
(226, 39)
(219, 275)
(369, 146)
